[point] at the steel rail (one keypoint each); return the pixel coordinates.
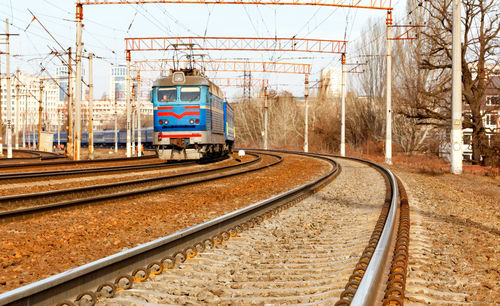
(63, 172)
(76, 162)
(371, 286)
(82, 280)
(37, 155)
(8, 214)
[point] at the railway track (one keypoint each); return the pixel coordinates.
(35, 156)
(17, 176)
(26, 204)
(51, 174)
(20, 165)
(274, 246)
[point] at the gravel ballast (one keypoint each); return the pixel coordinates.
(305, 254)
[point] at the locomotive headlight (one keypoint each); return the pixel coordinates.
(191, 121)
(166, 121)
(178, 77)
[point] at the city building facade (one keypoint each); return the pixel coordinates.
(25, 102)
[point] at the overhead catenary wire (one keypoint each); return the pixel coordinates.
(142, 11)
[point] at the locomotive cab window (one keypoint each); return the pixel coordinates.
(168, 94)
(190, 94)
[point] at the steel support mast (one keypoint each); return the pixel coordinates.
(388, 113)
(133, 120)
(40, 109)
(306, 117)
(139, 138)
(16, 123)
(58, 129)
(128, 95)
(342, 111)
(78, 80)
(266, 120)
(456, 96)
(1, 121)
(25, 115)
(9, 96)
(69, 108)
(116, 126)
(91, 108)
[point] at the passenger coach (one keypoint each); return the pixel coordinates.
(191, 118)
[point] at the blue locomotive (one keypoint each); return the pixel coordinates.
(191, 118)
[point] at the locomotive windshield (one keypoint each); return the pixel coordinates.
(168, 94)
(190, 94)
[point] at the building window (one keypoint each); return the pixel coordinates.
(490, 119)
(493, 100)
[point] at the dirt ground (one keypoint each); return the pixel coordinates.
(51, 243)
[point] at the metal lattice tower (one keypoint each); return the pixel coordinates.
(247, 88)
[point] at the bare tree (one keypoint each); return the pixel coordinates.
(285, 120)
(370, 117)
(480, 47)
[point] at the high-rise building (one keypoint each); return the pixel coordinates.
(118, 82)
(62, 79)
(331, 82)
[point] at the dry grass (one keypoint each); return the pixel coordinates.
(431, 165)
(416, 163)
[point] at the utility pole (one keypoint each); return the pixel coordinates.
(388, 116)
(133, 119)
(40, 108)
(343, 104)
(16, 122)
(266, 120)
(9, 96)
(58, 129)
(78, 80)
(33, 130)
(91, 108)
(306, 117)
(116, 126)
(25, 115)
(342, 112)
(69, 108)
(139, 137)
(1, 121)
(128, 89)
(456, 97)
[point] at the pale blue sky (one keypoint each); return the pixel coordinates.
(106, 26)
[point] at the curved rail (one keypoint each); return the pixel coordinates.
(370, 288)
(370, 285)
(152, 255)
